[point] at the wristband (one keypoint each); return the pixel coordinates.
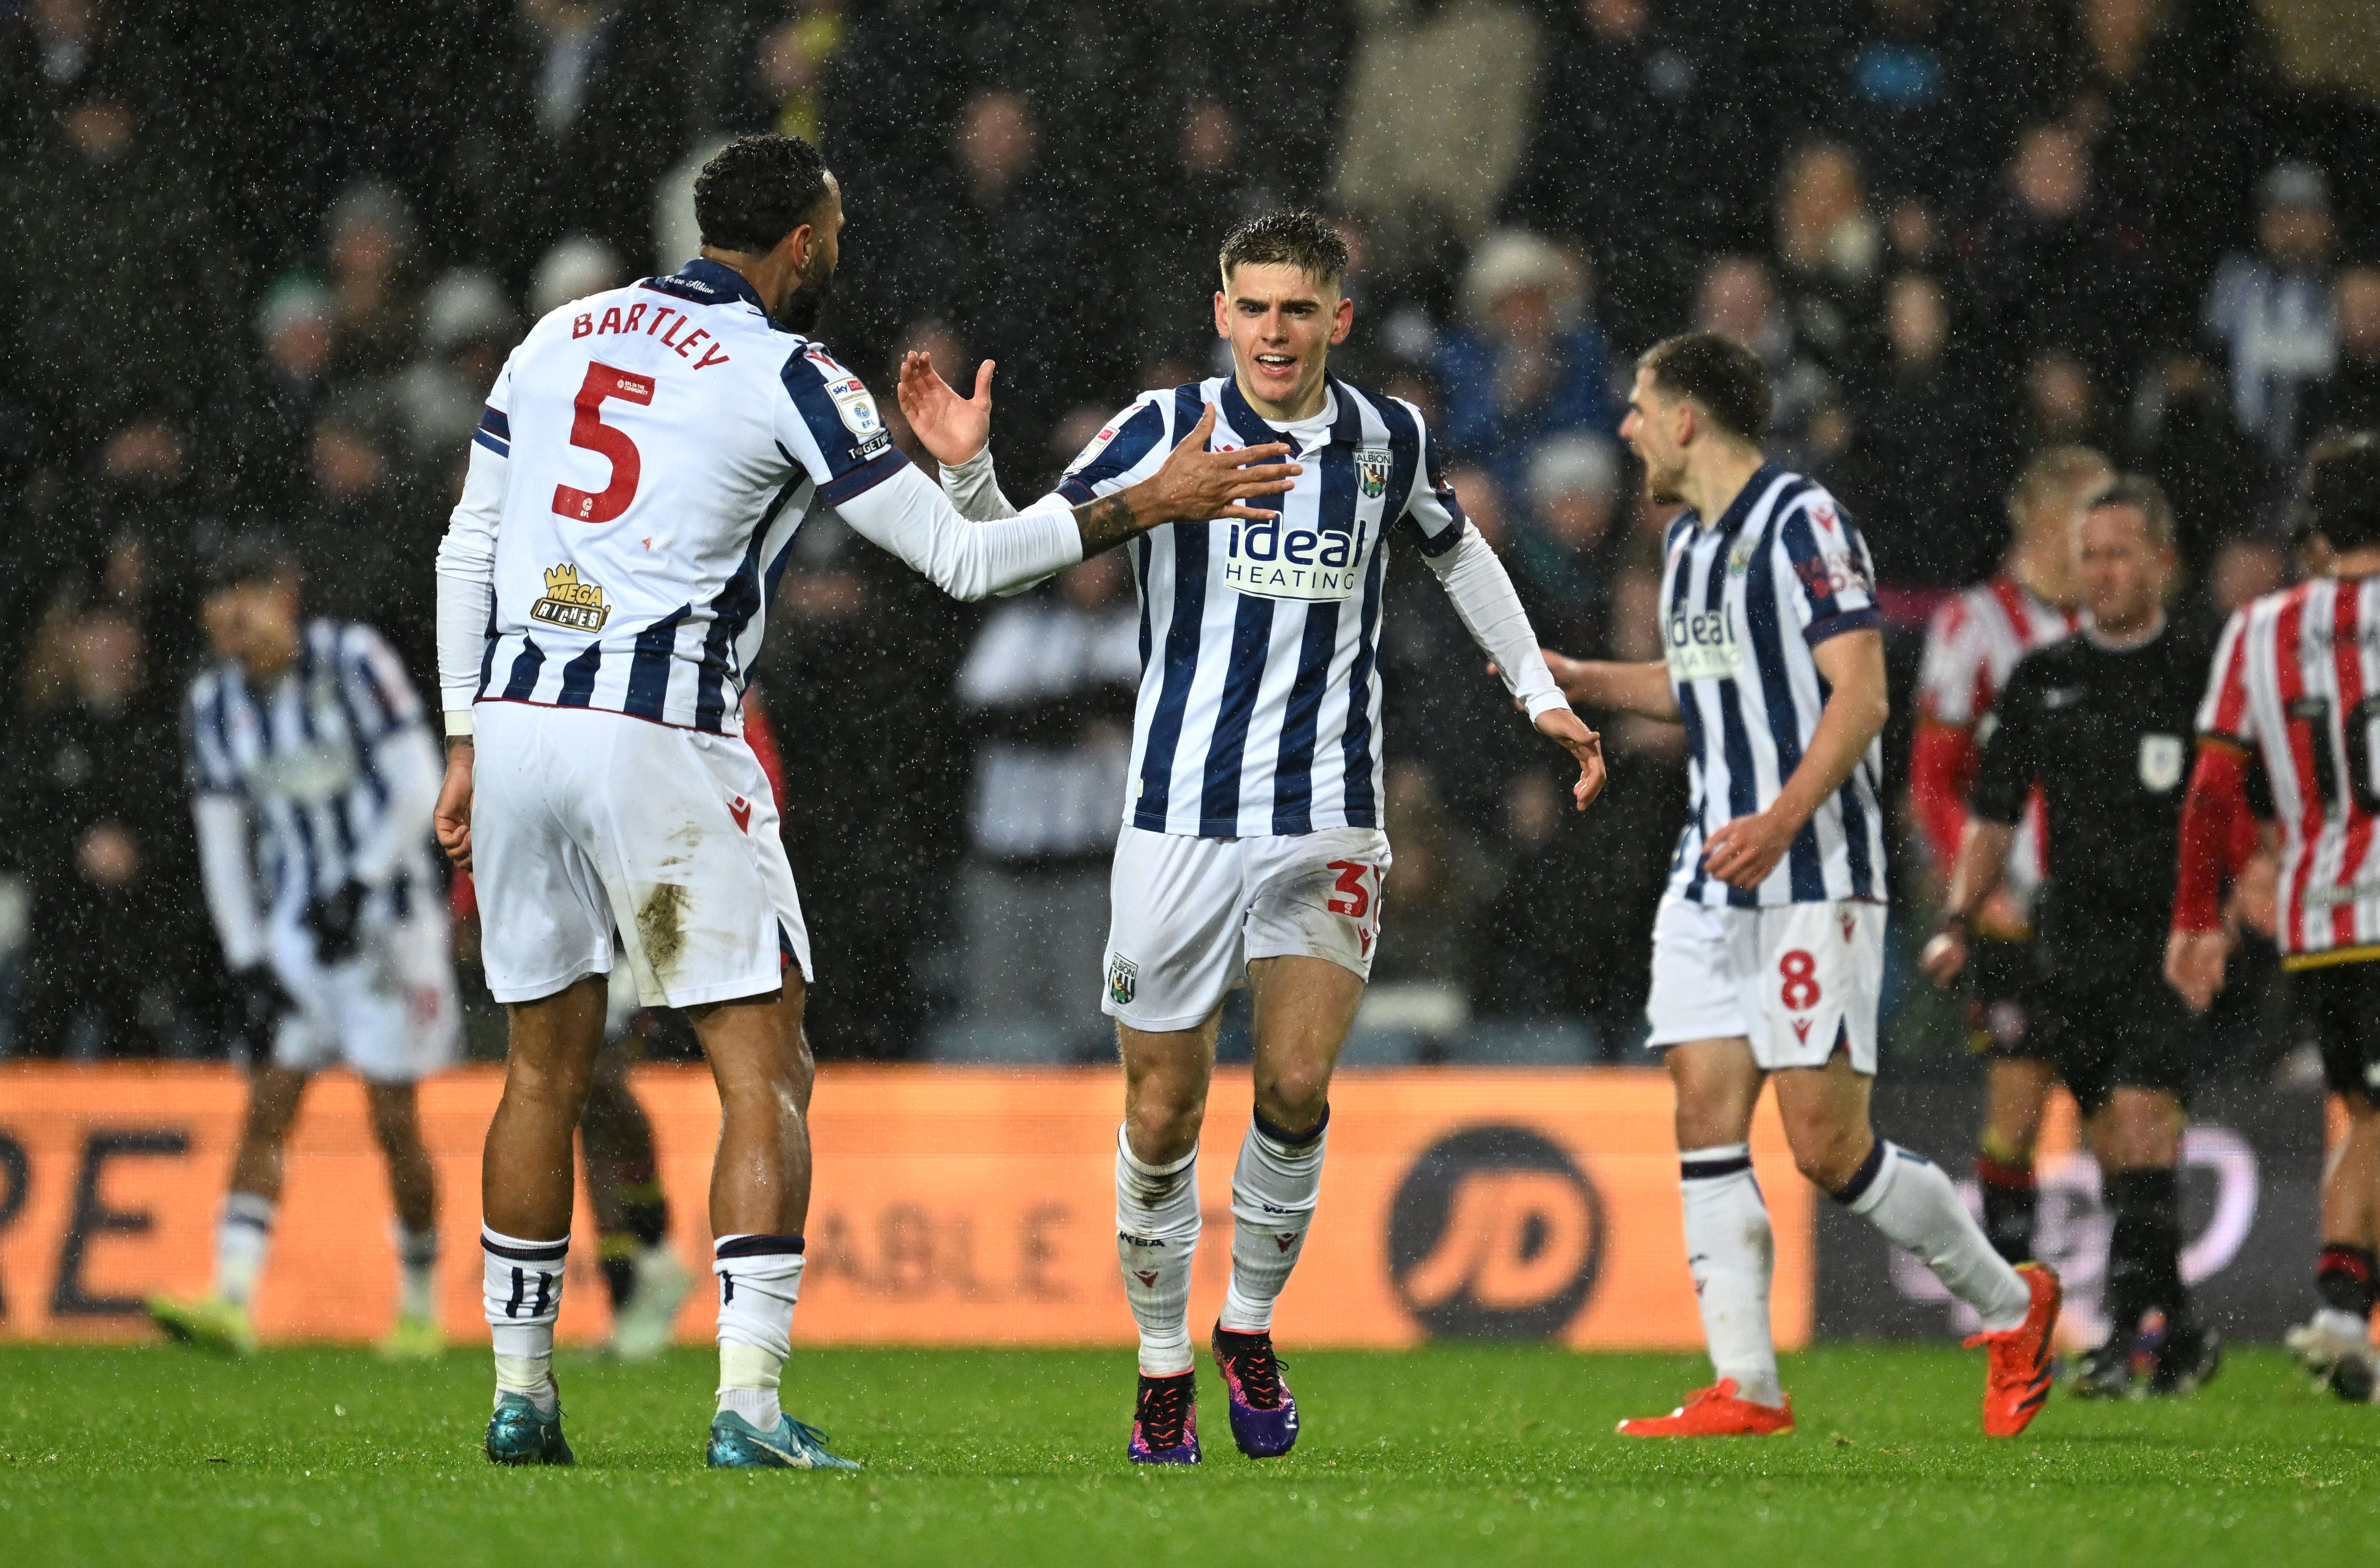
(458, 723)
(1952, 924)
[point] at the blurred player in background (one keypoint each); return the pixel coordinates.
(2092, 738)
(1973, 642)
(313, 769)
(1251, 851)
(634, 484)
(1769, 949)
(2296, 689)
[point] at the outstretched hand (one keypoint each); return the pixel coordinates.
(1568, 731)
(953, 428)
(1197, 485)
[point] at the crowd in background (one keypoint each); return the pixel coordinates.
(268, 259)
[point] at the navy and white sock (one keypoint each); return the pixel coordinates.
(1907, 1197)
(760, 1280)
(521, 1291)
(243, 1236)
(1274, 1190)
(1157, 1235)
(1731, 1252)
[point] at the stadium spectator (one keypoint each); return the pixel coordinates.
(1529, 360)
(1829, 247)
(468, 324)
(1211, 190)
(2182, 435)
(297, 325)
(1563, 560)
(1438, 103)
(1922, 456)
(1047, 692)
(578, 266)
(49, 49)
(790, 51)
(86, 802)
(1638, 155)
(1738, 300)
(1204, 48)
(1902, 80)
(2050, 265)
(2271, 310)
(2349, 397)
(368, 240)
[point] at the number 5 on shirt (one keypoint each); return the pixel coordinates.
(588, 431)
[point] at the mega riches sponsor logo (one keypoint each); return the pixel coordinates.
(569, 602)
(1275, 559)
(1495, 1233)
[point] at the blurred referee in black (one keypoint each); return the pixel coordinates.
(2102, 721)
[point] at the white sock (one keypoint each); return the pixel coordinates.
(417, 1272)
(522, 1295)
(1157, 1235)
(759, 1280)
(1907, 1197)
(1274, 1189)
(2343, 1325)
(242, 1238)
(1733, 1254)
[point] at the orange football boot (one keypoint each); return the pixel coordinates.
(1715, 1412)
(2017, 1383)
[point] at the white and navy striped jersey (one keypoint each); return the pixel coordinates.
(1259, 707)
(1745, 599)
(308, 758)
(661, 442)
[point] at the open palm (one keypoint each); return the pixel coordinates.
(953, 428)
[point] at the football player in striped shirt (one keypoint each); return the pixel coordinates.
(1251, 851)
(1973, 643)
(2295, 691)
(1768, 948)
(645, 456)
(312, 767)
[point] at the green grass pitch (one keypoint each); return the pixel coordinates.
(127, 1456)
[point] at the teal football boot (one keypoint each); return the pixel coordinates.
(736, 1444)
(520, 1434)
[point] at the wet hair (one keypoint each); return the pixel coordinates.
(1289, 237)
(2060, 470)
(256, 555)
(757, 189)
(1718, 372)
(2338, 496)
(2143, 495)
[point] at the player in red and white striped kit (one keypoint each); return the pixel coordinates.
(1974, 641)
(2296, 688)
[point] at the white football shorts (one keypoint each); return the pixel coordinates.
(1187, 914)
(1799, 981)
(390, 1012)
(584, 822)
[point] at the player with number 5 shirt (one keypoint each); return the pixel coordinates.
(645, 456)
(1768, 948)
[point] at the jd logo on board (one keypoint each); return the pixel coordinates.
(1495, 1233)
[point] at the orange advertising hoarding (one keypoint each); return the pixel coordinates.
(953, 1205)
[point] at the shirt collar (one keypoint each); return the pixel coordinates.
(1254, 429)
(721, 280)
(1748, 497)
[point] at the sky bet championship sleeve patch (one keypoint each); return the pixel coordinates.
(569, 602)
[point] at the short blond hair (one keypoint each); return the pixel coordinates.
(2059, 472)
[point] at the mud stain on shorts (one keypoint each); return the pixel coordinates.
(661, 926)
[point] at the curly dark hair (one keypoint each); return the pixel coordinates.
(756, 190)
(2339, 496)
(1291, 236)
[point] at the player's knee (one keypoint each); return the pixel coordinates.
(1294, 1099)
(1826, 1151)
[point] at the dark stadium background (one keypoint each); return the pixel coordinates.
(260, 256)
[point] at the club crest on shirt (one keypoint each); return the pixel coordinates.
(1372, 470)
(1124, 980)
(574, 605)
(2161, 757)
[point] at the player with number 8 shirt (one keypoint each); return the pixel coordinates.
(1768, 948)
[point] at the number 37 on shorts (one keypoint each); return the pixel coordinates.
(1356, 896)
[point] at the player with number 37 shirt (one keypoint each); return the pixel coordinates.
(1768, 948)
